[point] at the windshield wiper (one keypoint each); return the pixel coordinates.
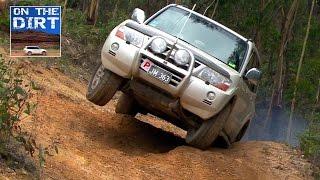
(182, 28)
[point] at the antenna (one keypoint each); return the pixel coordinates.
(178, 36)
(185, 22)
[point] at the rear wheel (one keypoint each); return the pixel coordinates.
(29, 53)
(209, 130)
(103, 86)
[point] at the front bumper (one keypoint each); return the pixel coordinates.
(192, 91)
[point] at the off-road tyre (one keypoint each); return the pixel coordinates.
(103, 86)
(208, 131)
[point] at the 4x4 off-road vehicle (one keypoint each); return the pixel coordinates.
(31, 50)
(183, 67)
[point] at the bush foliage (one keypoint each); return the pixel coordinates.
(14, 107)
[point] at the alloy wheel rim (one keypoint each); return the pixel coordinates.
(97, 77)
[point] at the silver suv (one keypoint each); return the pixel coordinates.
(183, 67)
(30, 50)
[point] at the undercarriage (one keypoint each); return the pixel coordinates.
(158, 103)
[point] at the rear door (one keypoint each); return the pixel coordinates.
(37, 50)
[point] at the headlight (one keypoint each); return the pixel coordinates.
(158, 45)
(182, 57)
(215, 78)
(130, 35)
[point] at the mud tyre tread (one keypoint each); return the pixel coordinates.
(106, 89)
(209, 130)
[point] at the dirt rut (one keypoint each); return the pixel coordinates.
(96, 143)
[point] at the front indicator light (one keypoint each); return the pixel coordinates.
(130, 35)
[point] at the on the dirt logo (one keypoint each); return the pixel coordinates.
(35, 31)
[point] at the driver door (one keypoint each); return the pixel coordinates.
(250, 89)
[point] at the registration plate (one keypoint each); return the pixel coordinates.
(156, 71)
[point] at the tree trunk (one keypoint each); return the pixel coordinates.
(205, 11)
(114, 13)
(64, 10)
(3, 6)
(215, 9)
(96, 13)
(92, 14)
(298, 72)
(257, 36)
(316, 104)
(85, 6)
(276, 97)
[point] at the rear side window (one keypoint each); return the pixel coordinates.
(32, 47)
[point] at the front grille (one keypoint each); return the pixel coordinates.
(196, 64)
(176, 76)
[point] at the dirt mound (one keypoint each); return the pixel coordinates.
(96, 143)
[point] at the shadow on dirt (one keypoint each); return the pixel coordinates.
(132, 136)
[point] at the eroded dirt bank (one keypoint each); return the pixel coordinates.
(96, 143)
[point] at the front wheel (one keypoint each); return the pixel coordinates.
(209, 130)
(103, 86)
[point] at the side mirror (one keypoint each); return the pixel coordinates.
(253, 76)
(138, 15)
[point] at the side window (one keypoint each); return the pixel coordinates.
(253, 63)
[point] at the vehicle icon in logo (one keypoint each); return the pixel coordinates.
(34, 50)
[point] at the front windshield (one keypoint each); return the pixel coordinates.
(202, 34)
